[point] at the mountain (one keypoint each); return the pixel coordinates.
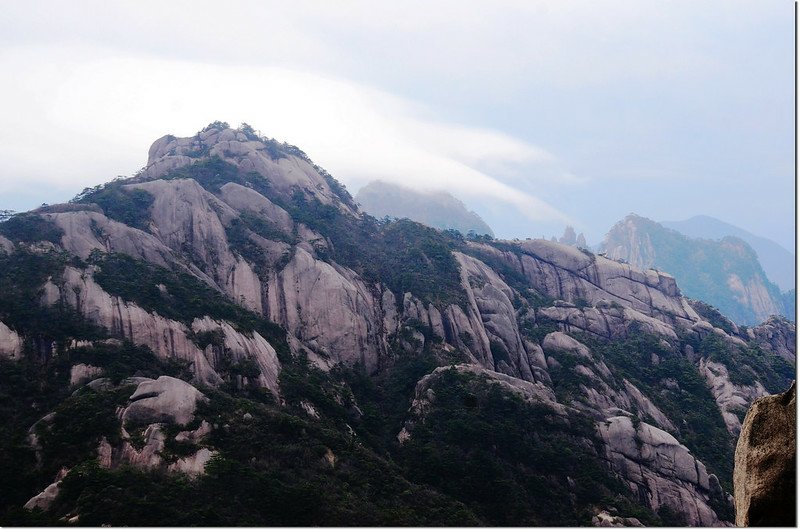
(227, 339)
(436, 209)
(725, 273)
(778, 263)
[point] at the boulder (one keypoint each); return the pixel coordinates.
(561, 342)
(765, 464)
(10, 343)
(149, 456)
(164, 400)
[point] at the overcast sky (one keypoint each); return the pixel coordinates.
(535, 114)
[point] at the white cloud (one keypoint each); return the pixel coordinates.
(81, 116)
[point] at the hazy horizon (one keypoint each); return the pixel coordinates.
(534, 114)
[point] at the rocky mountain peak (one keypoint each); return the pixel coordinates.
(285, 167)
(725, 273)
(233, 263)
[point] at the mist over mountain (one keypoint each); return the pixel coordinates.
(725, 273)
(778, 263)
(437, 209)
(227, 339)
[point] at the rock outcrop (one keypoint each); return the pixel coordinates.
(606, 320)
(167, 338)
(731, 399)
(606, 520)
(195, 464)
(725, 273)
(10, 343)
(526, 315)
(658, 469)
(285, 167)
(327, 307)
(43, 500)
(81, 373)
(566, 273)
(764, 484)
(777, 335)
(424, 395)
(165, 399)
(85, 231)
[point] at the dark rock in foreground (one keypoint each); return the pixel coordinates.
(764, 474)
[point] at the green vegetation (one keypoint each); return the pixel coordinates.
(507, 458)
(80, 421)
(480, 455)
(22, 276)
(28, 390)
(30, 228)
(121, 359)
(403, 255)
(691, 406)
(182, 298)
(537, 330)
(384, 399)
(239, 238)
(714, 317)
(747, 364)
(127, 205)
(287, 482)
(213, 173)
(703, 267)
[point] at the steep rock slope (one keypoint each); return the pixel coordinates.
(234, 263)
(725, 273)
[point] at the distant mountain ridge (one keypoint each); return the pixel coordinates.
(725, 273)
(777, 261)
(436, 209)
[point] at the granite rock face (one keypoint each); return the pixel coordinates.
(730, 398)
(777, 335)
(566, 273)
(528, 321)
(765, 488)
(327, 307)
(164, 400)
(424, 396)
(81, 373)
(10, 343)
(43, 500)
(286, 171)
(658, 469)
(167, 338)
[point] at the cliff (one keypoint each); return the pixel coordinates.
(371, 349)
